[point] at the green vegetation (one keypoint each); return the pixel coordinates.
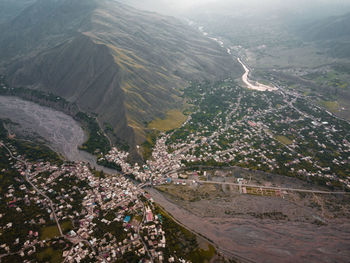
(21, 221)
(108, 164)
(232, 126)
(115, 228)
(36, 151)
(283, 139)
(203, 255)
(129, 256)
(3, 131)
(9, 178)
(121, 144)
(331, 79)
(332, 106)
(12, 259)
(49, 232)
(174, 119)
(50, 255)
(150, 142)
(97, 142)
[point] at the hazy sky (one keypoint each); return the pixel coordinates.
(190, 3)
(185, 5)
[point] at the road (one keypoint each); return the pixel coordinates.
(246, 185)
(37, 190)
(74, 240)
(138, 232)
(263, 187)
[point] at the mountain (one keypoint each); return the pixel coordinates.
(9, 8)
(158, 6)
(127, 66)
(332, 33)
(329, 29)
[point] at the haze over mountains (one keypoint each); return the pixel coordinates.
(332, 33)
(129, 66)
(251, 162)
(311, 9)
(9, 8)
(126, 65)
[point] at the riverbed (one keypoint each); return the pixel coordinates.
(245, 77)
(261, 240)
(255, 86)
(61, 131)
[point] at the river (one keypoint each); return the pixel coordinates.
(245, 77)
(61, 131)
(250, 84)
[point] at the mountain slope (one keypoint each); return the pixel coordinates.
(330, 28)
(9, 8)
(332, 33)
(126, 65)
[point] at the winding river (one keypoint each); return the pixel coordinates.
(250, 84)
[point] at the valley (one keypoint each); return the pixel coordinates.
(261, 228)
(125, 65)
(221, 135)
(229, 128)
(308, 58)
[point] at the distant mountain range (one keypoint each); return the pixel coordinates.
(10, 8)
(126, 65)
(331, 28)
(332, 33)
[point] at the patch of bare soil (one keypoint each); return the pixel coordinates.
(291, 228)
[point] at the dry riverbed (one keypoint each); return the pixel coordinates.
(292, 228)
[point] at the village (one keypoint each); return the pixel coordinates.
(100, 217)
(92, 216)
(276, 132)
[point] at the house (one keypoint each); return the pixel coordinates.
(127, 219)
(149, 216)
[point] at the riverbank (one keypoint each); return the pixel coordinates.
(262, 229)
(60, 131)
(97, 140)
(257, 86)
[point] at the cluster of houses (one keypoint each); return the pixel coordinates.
(93, 204)
(253, 133)
(249, 130)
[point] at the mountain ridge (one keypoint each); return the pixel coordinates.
(332, 34)
(334, 27)
(126, 65)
